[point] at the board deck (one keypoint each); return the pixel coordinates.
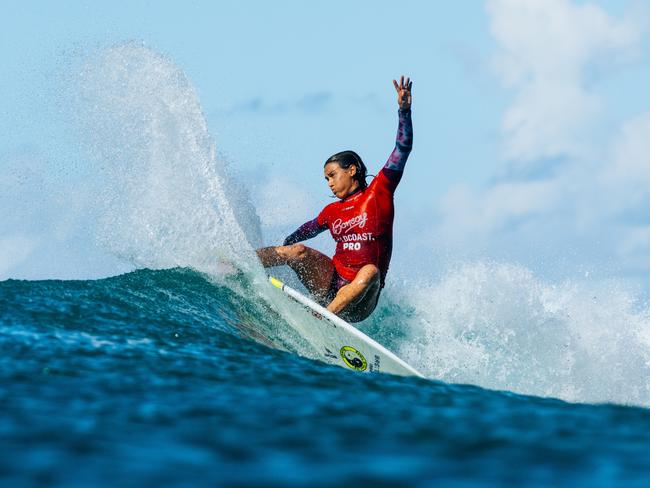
(343, 344)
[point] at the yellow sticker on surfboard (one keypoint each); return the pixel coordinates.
(353, 358)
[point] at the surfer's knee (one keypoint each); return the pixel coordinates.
(293, 252)
(367, 274)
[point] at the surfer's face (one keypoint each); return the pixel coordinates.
(340, 180)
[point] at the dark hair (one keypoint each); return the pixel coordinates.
(345, 159)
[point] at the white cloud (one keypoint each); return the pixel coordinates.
(630, 169)
(625, 185)
(469, 213)
(545, 46)
(583, 194)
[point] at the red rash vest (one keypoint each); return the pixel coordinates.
(362, 224)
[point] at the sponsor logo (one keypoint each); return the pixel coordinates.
(342, 226)
(353, 242)
(364, 236)
(352, 246)
(353, 358)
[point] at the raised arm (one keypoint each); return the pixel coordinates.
(305, 231)
(394, 167)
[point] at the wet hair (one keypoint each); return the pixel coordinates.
(345, 159)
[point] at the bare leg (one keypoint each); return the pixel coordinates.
(313, 268)
(366, 283)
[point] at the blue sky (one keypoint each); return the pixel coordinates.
(531, 118)
(242, 55)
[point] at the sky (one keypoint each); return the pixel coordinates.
(531, 119)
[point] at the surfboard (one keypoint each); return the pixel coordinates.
(343, 344)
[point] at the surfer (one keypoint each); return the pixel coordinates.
(361, 223)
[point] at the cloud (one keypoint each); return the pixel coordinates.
(502, 207)
(630, 169)
(563, 187)
(545, 48)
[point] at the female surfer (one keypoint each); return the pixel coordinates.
(361, 223)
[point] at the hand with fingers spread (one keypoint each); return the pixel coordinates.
(403, 89)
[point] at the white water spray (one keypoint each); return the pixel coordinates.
(165, 198)
(498, 326)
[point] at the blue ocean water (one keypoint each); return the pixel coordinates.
(177, 364)
(146, 378)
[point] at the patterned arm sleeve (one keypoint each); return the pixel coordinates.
(305, 231)
(394, 167)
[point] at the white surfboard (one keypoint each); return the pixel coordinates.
(344, 345)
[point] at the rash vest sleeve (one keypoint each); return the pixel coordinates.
(394, 167)
(305, 231)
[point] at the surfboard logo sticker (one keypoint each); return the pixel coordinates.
(353, 358)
